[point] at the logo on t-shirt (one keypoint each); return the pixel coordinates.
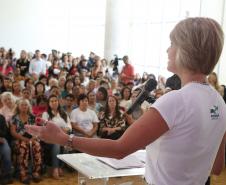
(214, 112)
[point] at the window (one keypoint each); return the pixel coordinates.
(150, 24)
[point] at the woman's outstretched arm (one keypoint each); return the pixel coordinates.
(144, 131)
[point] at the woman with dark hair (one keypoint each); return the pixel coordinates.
(39, 89)
(26, 94)
(68, 88)
(6, 84)
(98, 67)
(69, 104)
(56, 114)
(38, 92)
(93, 105)
(16, 89)
(84, 121)
(74, 68)
(101, 96)
(76, 92)
(43, 79)
(113, 122)
(54, 69)
(77, 80)
(65, 62)
(6, 67)
(125, 98)
(29, 83)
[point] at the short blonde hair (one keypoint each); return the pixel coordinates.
(199, 42)
(20, 101)
(53, 82)
(5, 95)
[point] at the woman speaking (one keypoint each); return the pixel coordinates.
(184, 130)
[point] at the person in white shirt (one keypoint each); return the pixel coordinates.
(60, 118)
(184, 130)
(37, 66)
(84, 120)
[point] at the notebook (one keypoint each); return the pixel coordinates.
(130, 161)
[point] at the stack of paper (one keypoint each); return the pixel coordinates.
(130, 161)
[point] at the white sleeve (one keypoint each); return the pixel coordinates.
(45, 115)
(73, 116)
(44, 67)
(69, 123)
(171, 107)
(95, 118)
(30, 67)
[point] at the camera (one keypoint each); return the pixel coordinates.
(115, 63)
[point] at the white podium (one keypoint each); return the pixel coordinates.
(91, 171)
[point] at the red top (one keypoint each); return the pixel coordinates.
(7, 70)
(128, 71)
(38, 110)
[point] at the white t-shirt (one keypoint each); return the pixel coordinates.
(196, 117)
(84, 120)
(58, 120)
(37, 66)
(125, 104)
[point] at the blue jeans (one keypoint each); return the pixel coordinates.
(5, 155)
(55, 150)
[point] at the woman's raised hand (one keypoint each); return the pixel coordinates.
(49, 133)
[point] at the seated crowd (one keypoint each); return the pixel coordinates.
(84, 97)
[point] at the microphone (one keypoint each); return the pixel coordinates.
(149, 86)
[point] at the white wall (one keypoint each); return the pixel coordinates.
(66, 25)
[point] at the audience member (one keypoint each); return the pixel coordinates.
(213, 81)
(84, 120)
(56, 114)
(113, 122)
(23, 63)
(37, 66)
(127, 74)
(125, 102)
(25, 144)
(8, 102)
(5, 152)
